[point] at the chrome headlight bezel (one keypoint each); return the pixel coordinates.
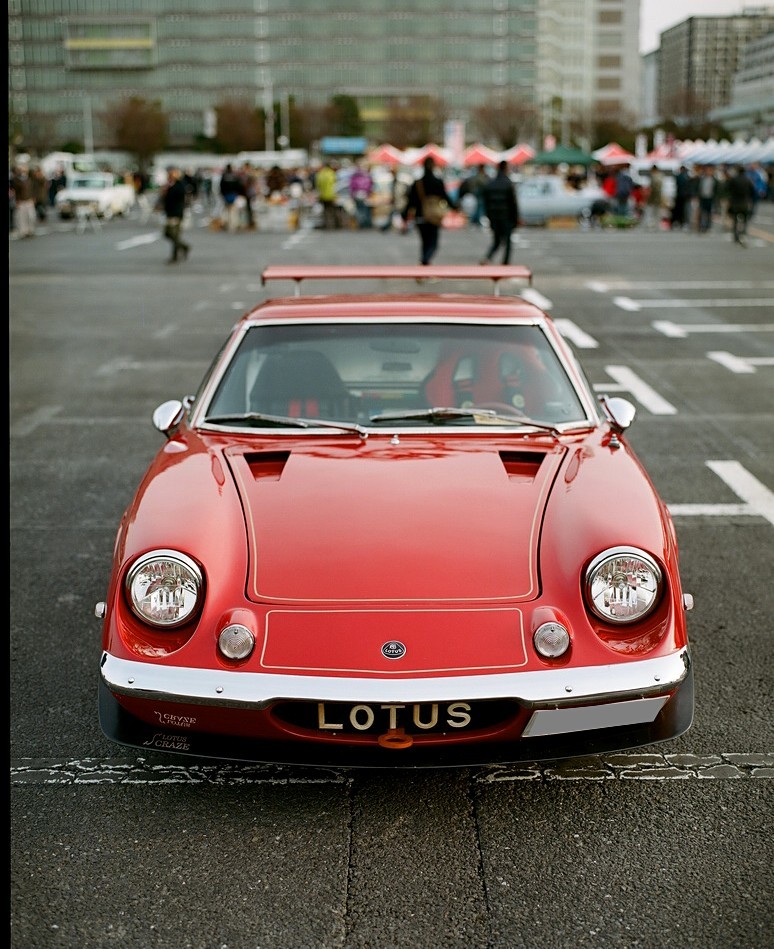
(623, 585)
(164, 588)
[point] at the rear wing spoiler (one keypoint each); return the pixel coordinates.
(494, 272)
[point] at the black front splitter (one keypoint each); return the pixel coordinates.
(119, 726)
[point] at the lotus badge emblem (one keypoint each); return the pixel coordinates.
(393, 650)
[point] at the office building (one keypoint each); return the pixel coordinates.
(751, 109)
(564, 62)
(699, 58)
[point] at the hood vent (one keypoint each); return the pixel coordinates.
(521, 465)
(267, 465)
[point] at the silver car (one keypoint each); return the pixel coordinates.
(543, 197)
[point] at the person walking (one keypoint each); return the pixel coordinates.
(394, 200)
(425, 203)
(680, 216)
(741, 194)
(760, 182)
(707, 192)
(325, 186)
(250, 188)
(231, 189)
(475, 186)
(624, 186)
(39, 192)
(25, 217)
(173, 202)
(361, 186)
(501, 206)
(654, 196)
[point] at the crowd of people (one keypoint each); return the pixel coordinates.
(30, 196)
(333, 195)
(689, 199)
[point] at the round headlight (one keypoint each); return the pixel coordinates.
(236, 641)
(623, 585)
(551, 640)
(164, 588)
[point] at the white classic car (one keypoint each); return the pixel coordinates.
(94, 193)
(542, 197)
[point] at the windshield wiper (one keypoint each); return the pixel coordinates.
(286, 421)
(439, 415)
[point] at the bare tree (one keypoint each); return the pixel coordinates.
(310, 124)
(139, 127)
(39, 135)
(240, 128)
(414, 121)
(506, 122)
(343, 115)
(607, 130)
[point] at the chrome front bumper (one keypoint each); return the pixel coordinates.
(551, 688)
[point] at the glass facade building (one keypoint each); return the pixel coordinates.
(699, 58)
(70, 60)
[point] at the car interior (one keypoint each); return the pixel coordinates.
(351, 373)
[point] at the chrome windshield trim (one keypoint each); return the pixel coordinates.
(254, 690)
(367, 429)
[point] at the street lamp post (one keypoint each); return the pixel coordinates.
(88, 131)
(268, 107)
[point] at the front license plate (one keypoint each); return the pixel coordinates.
(416, 718)
(413, 718)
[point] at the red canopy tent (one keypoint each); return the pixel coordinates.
(440, 155)
(385, 155)
(518, 154)
(480, 155)
(613, 154)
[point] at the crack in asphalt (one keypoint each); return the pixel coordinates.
(613, 767)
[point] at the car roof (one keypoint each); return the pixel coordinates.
(408, 307)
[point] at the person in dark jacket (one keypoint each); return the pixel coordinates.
(429, 232)
(501, 206)
(680, 217)
(173, 204)
(231, 190)
(740, 192)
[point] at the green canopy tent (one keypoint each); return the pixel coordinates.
(563, 155)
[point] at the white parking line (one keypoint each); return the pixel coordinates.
(628, 381)
(710, 510)
(294, 239)
(682, 330)
(575, 334)
(27, 424)
(626, 303)
(746, 486)
(740, 364)
(536, 298)
(757, 500)
(137, 241)
(599, 286)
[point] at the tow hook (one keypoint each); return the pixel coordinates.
(395, 738)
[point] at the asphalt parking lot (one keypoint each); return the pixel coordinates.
(668, 847)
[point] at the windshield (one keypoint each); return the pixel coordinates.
(355, 373)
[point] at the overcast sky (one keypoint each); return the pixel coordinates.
(659, 15)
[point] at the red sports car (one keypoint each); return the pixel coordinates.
(395, 529)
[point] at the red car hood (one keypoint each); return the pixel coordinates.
(328, 524)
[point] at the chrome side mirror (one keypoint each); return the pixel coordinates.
(620, 412)
(168, 416)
